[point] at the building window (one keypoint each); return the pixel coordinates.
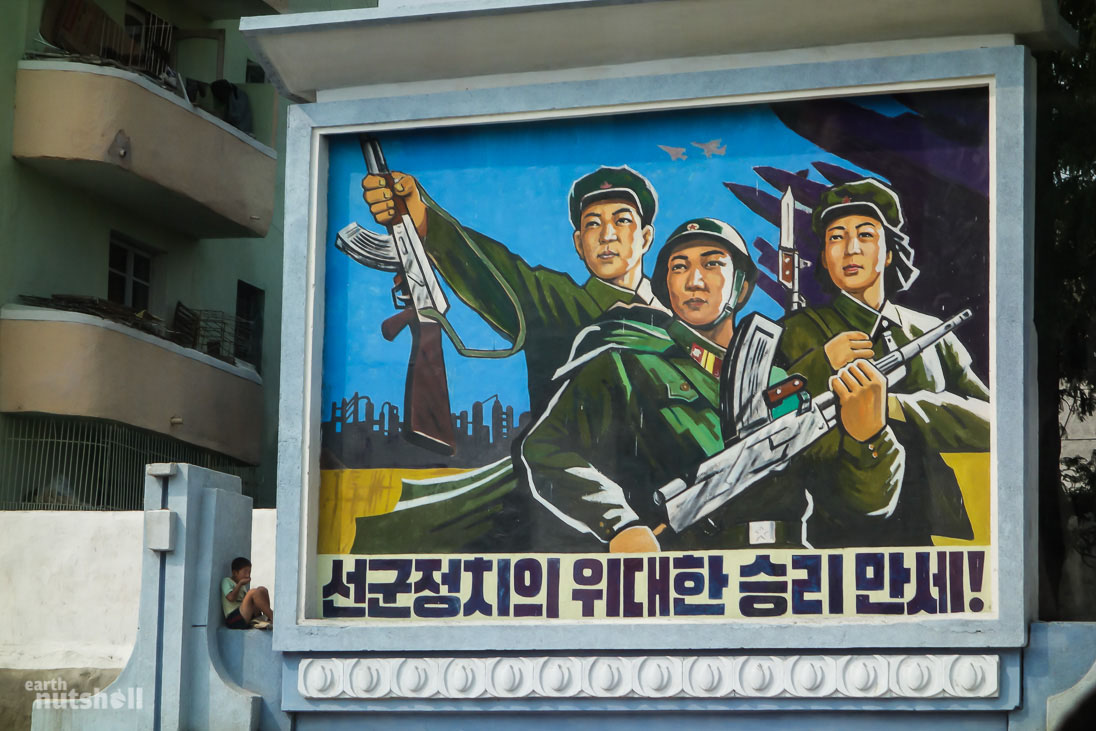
(249, 324)
(129, 274)
(254, 73)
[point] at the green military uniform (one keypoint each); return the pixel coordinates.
(554, 306)
(637, 408)
(940, 406)
(469, 512)
(542, 308)
(474, 511)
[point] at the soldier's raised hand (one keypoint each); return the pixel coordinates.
(862, 395)
(380, 196)
(846, 347)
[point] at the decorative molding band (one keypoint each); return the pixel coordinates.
(760, 676)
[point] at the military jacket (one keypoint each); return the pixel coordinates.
(940, 405)
(482, 510)
(553, 305)
(636, 409)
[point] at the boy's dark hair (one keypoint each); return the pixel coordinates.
(240, 563)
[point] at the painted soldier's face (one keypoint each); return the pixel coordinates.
(611, 239)
(855, 252)
(700, 281)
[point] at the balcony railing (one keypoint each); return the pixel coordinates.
(69, 463)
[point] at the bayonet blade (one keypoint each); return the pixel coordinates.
(789, 257)
(789, 267)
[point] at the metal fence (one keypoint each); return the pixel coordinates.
(224, 336)
(69, 463)
(145, 43)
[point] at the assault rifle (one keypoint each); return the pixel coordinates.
(427, 419)
(758, 445)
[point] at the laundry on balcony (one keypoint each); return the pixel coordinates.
(237, 107)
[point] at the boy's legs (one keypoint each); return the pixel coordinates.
(255, 601)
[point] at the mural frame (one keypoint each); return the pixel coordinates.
(1007, 71)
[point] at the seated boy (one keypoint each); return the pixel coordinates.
(241, 604)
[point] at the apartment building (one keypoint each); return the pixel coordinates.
(140, 249)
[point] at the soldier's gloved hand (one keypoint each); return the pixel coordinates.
(846, 347)
(378, 194)
(862, 394)
(634, 539)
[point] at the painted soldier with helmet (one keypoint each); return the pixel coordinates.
(637, 405)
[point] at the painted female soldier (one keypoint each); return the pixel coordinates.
(941, 406)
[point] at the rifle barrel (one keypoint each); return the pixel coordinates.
(893, 360)
(374, 155)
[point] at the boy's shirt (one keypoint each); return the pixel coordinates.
(227, 585)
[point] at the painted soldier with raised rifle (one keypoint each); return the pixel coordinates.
(538, 310)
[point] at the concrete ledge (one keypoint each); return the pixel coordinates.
(77, 365)
(251, 663)
(143, 147)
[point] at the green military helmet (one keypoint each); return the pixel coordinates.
(705, 229)
(874, 199)
(607, 183)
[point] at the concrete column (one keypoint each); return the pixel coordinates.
(196, 522)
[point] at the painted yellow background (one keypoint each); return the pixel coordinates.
(972, 474)
(349, 494)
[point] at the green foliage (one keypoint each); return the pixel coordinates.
(1066, 195)
(1065, 293)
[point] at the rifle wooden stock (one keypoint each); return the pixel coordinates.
(428, 422)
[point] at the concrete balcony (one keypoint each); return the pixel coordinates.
(124, 138)
(72, 364)
(217, 9)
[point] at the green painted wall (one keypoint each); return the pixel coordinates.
(54, 239)
(12, 41)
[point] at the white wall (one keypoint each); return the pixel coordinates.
(71, 582)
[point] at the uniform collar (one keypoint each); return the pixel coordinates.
(867, 319)
(607, 294)
(703, 351)
(686, 337)
(699, 351)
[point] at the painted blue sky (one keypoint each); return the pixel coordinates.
(510, 181)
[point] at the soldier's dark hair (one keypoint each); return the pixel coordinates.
(240, 563)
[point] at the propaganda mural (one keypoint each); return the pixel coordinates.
(724, 362)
